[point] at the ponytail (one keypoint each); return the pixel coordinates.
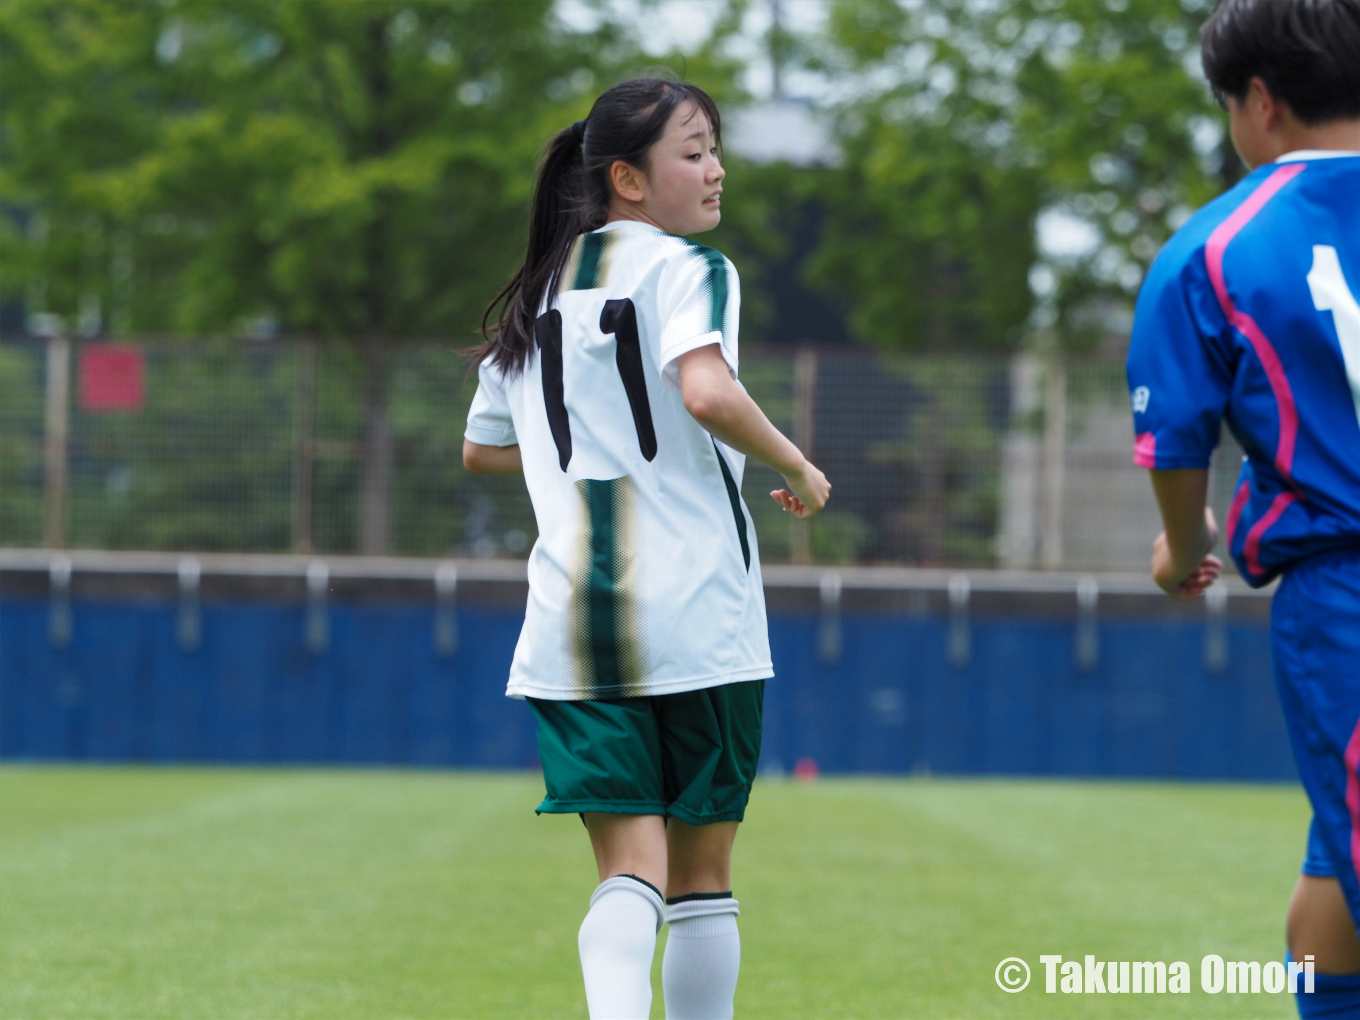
(572, 196)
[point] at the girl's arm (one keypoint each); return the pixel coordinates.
(727, 411)
(1182, 565)
(491, 460)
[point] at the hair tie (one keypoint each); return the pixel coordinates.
(578, 132)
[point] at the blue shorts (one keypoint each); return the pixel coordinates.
(1315, 636)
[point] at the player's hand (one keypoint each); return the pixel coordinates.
(1173, 579)
(807, 493)
(1192, 586)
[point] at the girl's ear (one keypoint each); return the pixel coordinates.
(628, 181)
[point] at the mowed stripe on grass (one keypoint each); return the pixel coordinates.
(175, 892)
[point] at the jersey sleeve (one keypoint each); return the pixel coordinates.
(699, 301)
(1179, 371)
(489, 422)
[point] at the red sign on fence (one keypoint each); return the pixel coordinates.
(112, 378)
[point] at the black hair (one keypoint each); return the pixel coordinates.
(572, 197)
(1306, 51)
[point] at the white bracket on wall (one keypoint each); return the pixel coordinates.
(829, 630)
(1086, 644)
(960, 641)
(189, 620)
(1216, 628)
(445, 610)
(59, 626)
(317, 632)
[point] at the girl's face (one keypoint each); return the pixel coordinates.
(679, 191)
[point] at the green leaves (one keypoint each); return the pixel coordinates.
(362, 169)
(965, 120)
(347, 169)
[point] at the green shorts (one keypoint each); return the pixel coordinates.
(691, 755)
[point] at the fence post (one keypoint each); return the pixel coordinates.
(1021, 467)
(1055, 456)
(55, 440)
(804, 433)
(304, 447)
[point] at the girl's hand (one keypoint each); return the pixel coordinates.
(1193, 586)
(1173, 580)
(810, 491)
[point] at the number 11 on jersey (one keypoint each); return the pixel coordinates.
(619, 319)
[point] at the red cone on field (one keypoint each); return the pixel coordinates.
(806, 770)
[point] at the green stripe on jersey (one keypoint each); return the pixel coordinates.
(734, 497)
(605, 622)
(716, 284)
(587, 266)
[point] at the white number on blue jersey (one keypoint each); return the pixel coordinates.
(1331, 294)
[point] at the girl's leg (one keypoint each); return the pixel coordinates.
(703, 952)
(629, 845)
(618, 937)
(699, 857)
(1320, 925)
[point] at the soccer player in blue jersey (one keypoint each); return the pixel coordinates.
(1251, 313)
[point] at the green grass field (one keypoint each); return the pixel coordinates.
(273, 893)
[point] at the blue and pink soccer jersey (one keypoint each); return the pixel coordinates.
(1250, 313)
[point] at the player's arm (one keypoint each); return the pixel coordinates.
(1182, 564)
(727, 411)
(492, 460)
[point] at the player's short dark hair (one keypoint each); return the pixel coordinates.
(1306, 51)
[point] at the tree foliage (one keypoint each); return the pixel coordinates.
(354, 171)
(964, 120)
(348, 169)
(361, 169)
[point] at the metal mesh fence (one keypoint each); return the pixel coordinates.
(935, 460)
(21, 445)
(910, 445)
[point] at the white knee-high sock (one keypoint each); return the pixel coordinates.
(703, 958)
(617, 942)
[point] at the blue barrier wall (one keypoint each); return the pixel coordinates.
(123, 690)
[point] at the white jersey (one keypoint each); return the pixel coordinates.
(645, 578)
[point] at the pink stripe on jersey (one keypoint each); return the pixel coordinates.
(1252, 546)
(1353, 795)
(1145, 450)
(1214, 250)
(1279, 383)
(1239, 504)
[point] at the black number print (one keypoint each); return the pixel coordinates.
(548, 335)
(620, 318)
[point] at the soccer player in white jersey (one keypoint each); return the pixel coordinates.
(610, 381)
